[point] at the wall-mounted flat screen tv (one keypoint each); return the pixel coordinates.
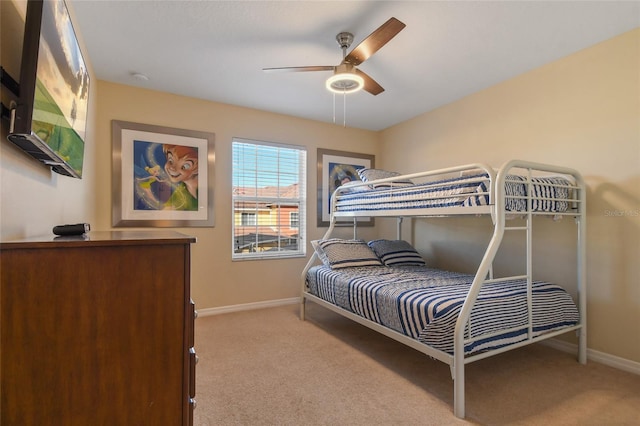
(49, 121)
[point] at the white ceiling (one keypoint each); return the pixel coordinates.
(215, 50)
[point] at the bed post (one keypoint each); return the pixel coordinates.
(481, 274)
(310, 262)
(581, 219)
(458, 390)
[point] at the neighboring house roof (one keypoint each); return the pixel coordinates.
(291, 191)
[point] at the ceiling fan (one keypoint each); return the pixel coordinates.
(346, 77)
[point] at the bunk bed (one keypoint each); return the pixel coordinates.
(453, 317)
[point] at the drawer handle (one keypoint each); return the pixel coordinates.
(193, 403)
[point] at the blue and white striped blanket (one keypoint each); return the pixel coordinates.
(548, 194)
(424, 303)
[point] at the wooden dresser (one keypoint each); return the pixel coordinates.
(97, 330)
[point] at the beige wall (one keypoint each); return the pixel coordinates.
(216, 280)
(583, 112)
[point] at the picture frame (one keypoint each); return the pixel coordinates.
(158, 179)
(334, 166)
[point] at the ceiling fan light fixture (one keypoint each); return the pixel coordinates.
(345, 82)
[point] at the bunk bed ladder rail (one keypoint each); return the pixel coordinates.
(314, 256)
(485, 270)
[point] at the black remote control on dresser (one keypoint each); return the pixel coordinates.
(77, 229)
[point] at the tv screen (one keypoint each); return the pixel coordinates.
(49, 121)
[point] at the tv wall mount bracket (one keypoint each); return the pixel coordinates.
(13, 86)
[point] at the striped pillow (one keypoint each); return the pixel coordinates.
(368, 175)
(337, 253)
(396, 252)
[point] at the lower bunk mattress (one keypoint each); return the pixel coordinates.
(424, 303)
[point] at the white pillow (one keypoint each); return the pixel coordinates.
(347, 187)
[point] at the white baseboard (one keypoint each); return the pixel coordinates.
(593, 355)
(597, 356)
(247, 306)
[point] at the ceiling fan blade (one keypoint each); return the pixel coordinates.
(370, 85)
(374, 41)
(301, 69)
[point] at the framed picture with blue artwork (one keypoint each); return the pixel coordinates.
(336, 168)
(162, 176)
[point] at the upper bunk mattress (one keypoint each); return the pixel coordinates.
(424, 304)
(548, 194)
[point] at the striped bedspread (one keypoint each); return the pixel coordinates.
(549, 195)
(424, 303)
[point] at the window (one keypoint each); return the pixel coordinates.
(269, 200)
(294, 220)
(248, 219)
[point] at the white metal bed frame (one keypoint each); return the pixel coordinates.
(484, 274)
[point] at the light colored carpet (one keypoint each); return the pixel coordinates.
(266, 367)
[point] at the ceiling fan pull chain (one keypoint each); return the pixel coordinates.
(344, 109)
(334, 108)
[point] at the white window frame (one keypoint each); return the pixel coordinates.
(241, 169)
